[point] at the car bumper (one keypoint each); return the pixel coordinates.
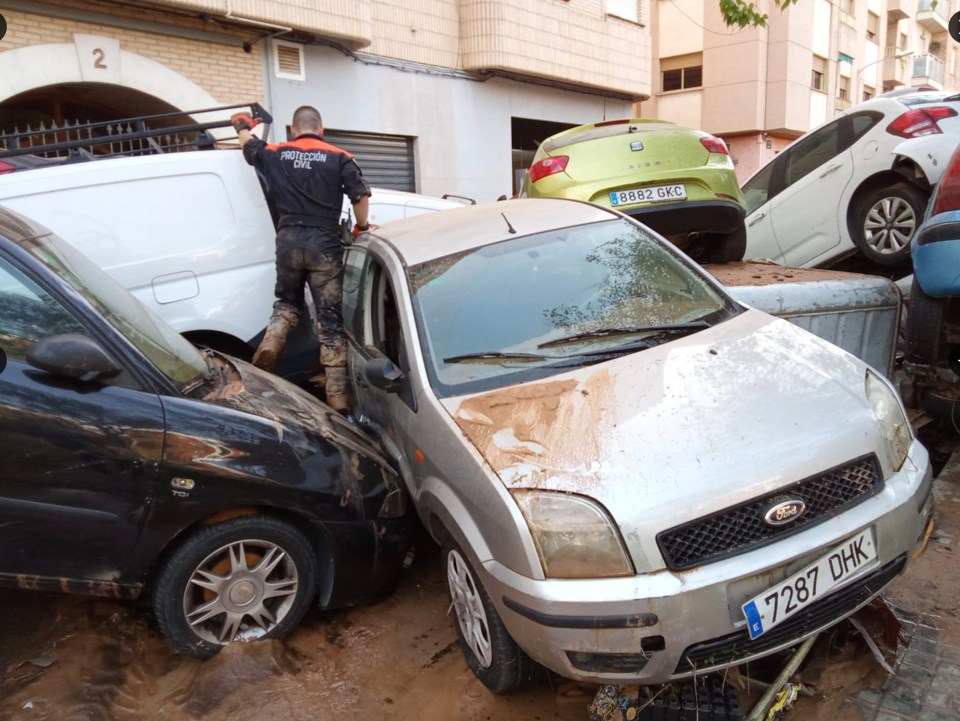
(643, 629)
(703, 216)
(936, 255)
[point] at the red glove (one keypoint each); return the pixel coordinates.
(357, 229)
(243, 121)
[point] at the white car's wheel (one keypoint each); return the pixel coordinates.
(887, 220)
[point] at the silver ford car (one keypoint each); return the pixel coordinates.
(633, 477)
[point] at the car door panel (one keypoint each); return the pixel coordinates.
(80, 457)
(815, 173)
(806, 220)
(375, 331)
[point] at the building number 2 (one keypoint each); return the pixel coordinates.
(100, 57)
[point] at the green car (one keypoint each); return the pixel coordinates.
(677, 181)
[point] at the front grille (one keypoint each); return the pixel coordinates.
(740, 528)
(738, 646)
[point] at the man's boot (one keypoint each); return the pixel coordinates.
(283, 319)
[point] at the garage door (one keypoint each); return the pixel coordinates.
(386, 160)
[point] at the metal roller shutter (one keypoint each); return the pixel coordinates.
(386, 160)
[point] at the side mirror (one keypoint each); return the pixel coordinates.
(383, 373)
(72, 355)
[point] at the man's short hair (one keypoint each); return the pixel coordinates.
(306, 119)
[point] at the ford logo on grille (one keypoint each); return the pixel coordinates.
(784, 512)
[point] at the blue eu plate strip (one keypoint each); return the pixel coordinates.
(754, 622)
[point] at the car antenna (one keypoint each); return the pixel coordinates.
(509, 227)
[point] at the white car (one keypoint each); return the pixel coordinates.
(858, 182)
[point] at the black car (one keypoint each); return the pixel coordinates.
(133, 463)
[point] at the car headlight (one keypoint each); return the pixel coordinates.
(574, 536)
(893, 423)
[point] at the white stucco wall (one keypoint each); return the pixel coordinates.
(462, 127)
(821, 28)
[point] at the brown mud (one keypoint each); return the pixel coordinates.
(71, 658)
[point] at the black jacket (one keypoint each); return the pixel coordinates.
(306, 179)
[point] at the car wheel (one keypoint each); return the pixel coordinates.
(243, 579)
(724, 247)
(924, 317)
(886, 221)
(222, 343)
(490, 651)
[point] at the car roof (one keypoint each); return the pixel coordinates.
(434, 235)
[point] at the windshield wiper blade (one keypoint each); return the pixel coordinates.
(608, 332)
(495, 356)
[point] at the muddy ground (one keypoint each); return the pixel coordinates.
(68, 658)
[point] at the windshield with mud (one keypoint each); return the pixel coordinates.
(172, 354)
(538, 305)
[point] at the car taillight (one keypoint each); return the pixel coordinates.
(548, 166)
(914, 123)
(948, 191)
(6, 168)
(714, 145)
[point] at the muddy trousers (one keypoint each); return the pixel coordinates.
(311, 257)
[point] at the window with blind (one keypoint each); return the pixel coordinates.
(626, 9)
(819, 74)
(681, 72)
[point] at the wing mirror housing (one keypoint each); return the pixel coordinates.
(383, 373)
(73, 356)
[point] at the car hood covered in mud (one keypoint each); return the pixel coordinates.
(701, 423)
(246, 388)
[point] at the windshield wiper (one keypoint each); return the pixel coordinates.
(676, 328)
(496, 356)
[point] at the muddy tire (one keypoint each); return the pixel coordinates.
(885, 221)
(223, 344)
(924, 318)
(489, 650)
(247, 578)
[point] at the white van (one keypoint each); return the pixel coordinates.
(189, 234)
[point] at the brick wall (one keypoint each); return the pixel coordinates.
(226, 72)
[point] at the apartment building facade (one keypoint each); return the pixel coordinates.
(436, 96)
(760, 88)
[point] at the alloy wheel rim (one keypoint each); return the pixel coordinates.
(241, 591)
(890, 225)
(467, 604)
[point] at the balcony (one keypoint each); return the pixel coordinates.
(895, 71)
(345, 20)
(899, 9)
(933, 19)
(587, 48)
(927, 72)
(843, 104)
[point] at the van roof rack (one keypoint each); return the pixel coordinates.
(141, 135)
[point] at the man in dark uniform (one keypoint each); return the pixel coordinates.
(306, 179)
